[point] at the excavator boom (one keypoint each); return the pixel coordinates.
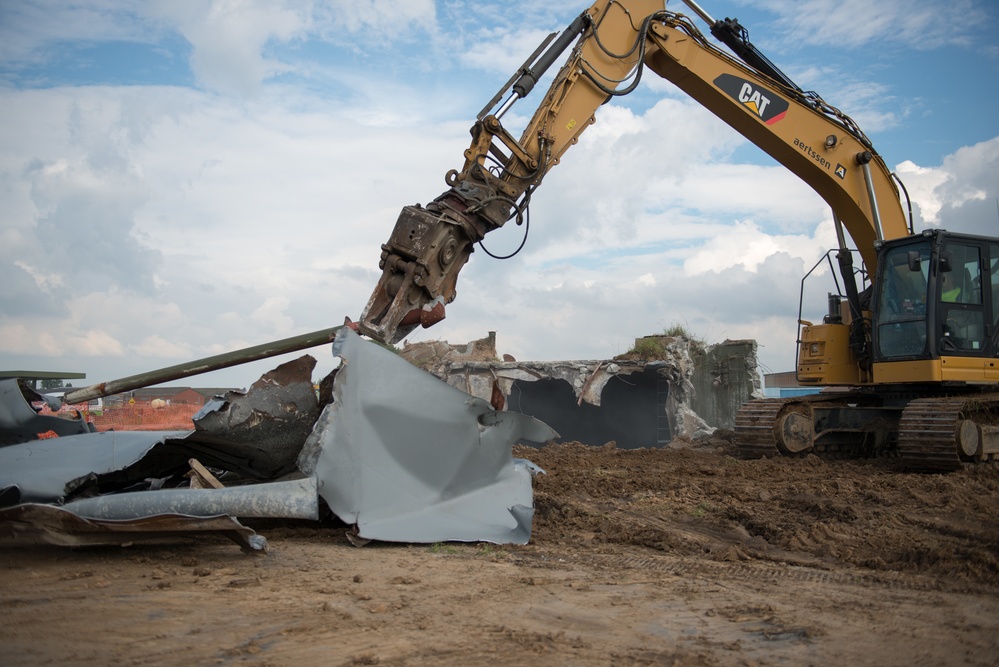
(616, 41)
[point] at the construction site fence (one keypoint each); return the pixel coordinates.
(142, 417)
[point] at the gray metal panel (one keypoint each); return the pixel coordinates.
(42, 469)
(20, 423)
(409, 458)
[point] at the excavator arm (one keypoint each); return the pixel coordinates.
(615, 42)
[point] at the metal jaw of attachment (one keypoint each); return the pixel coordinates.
(420, 265)
(428, 247)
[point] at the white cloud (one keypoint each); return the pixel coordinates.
(922, 184)
(28, 28)
(231, 40)
(961, 194)
(376, 16)
(46, 282)
(93, 343)
(746, 246)
(272, 318)
(502, 50)
(228, 37)
(646, 279)
(210, 224)
(855, 23)
(158, 347)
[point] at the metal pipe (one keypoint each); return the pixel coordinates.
(525, 84)
(845, 258)
(699, 11)
(840, 237)
(516, 75)
(295, 499)
(205, 365)
(875, 213)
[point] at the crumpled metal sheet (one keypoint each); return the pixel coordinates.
(408, 458)
(59, 469)
(276, 415)
(19, 422)
(399, 453)
(46, 471)
(51, 524)
(82, 462)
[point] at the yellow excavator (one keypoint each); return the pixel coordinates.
(909, 359)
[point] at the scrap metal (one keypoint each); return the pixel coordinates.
(408, 458)
(20, 422)
(275, 415)
(51, 524)
(398, 453)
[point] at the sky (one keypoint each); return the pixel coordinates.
(183, 179)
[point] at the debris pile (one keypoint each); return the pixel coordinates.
(373, 453)
(667, 387)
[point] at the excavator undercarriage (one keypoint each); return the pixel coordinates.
(927, 431)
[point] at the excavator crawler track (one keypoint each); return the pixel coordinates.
(932, 432)
(785, 427)
(754, 427)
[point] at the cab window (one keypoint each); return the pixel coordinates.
(960, 314)
(901, 312)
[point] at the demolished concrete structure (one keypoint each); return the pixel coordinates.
(671, 387)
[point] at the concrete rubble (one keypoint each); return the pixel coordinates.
(671, 388)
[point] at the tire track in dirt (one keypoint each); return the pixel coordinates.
(754, 572)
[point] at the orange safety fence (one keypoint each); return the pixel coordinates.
(136, 417)
(145, 418)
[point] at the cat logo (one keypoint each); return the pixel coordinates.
(840, 171)
(764, 104)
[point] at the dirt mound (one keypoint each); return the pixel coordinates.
(696, 501)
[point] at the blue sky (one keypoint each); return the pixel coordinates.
(183, 179)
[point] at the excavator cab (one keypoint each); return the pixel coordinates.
(920, 385)
(936, 310)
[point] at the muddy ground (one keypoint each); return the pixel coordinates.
(683, 556)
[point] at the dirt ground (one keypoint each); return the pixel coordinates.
(682, 556)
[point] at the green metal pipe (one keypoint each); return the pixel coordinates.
(205, 365)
